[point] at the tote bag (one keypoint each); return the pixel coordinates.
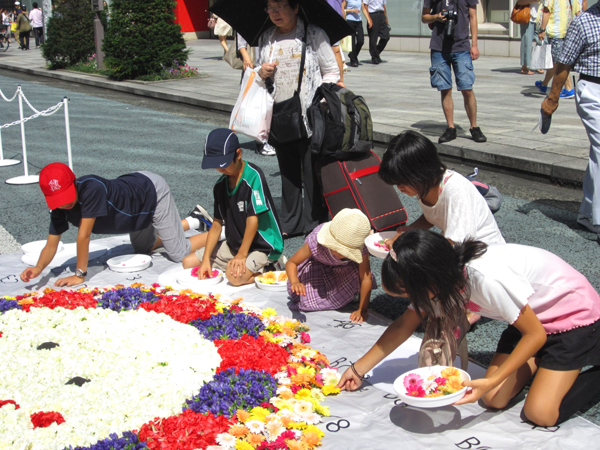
(253, 109)
(541, 56)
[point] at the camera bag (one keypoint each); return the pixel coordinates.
(355, 184)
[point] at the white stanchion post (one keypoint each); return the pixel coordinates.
(26, 179)
(5, 162)
(68, 132)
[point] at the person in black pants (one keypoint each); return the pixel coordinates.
(377, 27)
(24, 28)
(352, 9)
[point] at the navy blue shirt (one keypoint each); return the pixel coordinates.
(122, 205)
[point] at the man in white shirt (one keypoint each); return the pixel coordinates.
(377, 27)
(37, 23)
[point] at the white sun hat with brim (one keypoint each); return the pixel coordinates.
(346, 234)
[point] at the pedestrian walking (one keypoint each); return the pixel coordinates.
(377, 27)
(23, 28)
(527, 31)
(37, 24)
(581, 53)
(353, 12)
(450, 48)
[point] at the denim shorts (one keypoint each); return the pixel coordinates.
(557, 44)
(441, 76)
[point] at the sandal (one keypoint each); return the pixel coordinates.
(527, 72)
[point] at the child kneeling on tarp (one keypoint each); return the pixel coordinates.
(332, 266)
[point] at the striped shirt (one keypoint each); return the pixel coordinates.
(581, 49)
(330, 283)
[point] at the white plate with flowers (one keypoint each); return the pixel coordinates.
(272, 281)
(431, 387)
(376, 243)
(189, 278)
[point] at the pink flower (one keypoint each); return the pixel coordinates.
(441, 381)
(411, 380)
(415, 391)
(304, 337)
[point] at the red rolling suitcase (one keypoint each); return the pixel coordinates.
(355, 184)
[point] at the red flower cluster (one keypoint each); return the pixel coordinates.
(187, 431)
(251, 353)
(182, 308)
(6, 402)
(45, 419)
(65, 299)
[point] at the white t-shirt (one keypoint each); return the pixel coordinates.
(35, 16)
(508, 277)
(461, 212)
(374, 5)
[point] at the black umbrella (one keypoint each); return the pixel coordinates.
(248, 18)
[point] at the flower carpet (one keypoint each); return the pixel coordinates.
(149, 368)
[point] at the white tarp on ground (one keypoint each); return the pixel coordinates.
(372, 418)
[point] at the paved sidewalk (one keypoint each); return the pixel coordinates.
(400, 97)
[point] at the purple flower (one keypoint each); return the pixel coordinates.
(129, 441)
(229, 325)
(125, 299)
(7, 305)
(229, 391)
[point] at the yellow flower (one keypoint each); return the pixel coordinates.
(268, 312)
(303, 394)
(454, 384)
(274, 328)
(220, 307)
(243, 445)
(323, 410)
(307, 370)
(259, 413)
(297, 425)
(311, 429)
(330, 389)
(450, 372)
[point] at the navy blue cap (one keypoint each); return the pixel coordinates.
(219, 148)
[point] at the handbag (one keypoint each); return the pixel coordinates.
(212, 22)
(253, 109)
(541, 56)
(346, 44)
(521, 14)
(233, 58)
(287, 124)
(443, 341)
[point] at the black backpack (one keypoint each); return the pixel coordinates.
(341, 124)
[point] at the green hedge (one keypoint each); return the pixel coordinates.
(142, 38)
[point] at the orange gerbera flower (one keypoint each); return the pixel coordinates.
(243, 416)
(255, 439)
(239, 431)
(296, 445)
(455, 384)
(450, 372)
(311, 438)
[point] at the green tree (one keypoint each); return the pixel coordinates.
(142, 38)
(70, 32)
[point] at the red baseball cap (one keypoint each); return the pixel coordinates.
(57, 182)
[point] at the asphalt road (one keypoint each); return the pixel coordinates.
(114, 133)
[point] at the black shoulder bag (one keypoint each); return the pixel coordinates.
(287, 124)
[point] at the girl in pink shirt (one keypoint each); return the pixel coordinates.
(552, 309)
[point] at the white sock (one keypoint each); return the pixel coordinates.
(193, 223)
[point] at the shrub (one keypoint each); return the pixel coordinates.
(142, 38)
(70, 32)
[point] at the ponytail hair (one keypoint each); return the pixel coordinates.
(412, 160)
(424, 263)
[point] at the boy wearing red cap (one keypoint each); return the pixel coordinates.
(138, 203)
(242, 199)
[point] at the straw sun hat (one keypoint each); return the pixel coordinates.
(346, 234)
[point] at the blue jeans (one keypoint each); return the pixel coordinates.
(526, 43)
(441, 75)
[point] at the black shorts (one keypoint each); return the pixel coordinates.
(569, 350)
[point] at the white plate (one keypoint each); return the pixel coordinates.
(67, 256)
(129, 263)
(36, 247)
(435, 402)
(185, 278)
(376, 237)
(279, 286)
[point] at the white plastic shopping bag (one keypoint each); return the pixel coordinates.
(253, 109)
(541, 56)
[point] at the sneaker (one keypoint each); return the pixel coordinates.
(266, 150)
(541, 87)
(586, 222)
(567, 94)
(449, 135)
(478, 136)
(203, 216)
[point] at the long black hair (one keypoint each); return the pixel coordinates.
(424, 262)
(412, 160)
